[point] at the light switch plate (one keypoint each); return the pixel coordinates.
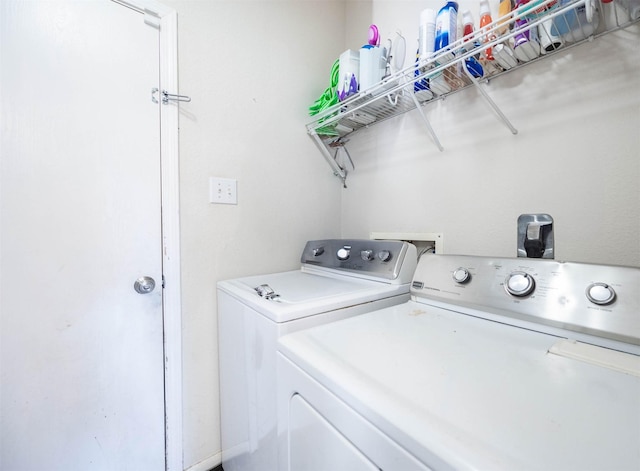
(223, 190)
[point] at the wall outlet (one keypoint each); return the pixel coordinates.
(223, 190)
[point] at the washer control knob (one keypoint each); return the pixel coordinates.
(318, 251)
(384, 255)
(367, 255)
(461, 275)
(344, 253)
(520, 284)
(600, 293)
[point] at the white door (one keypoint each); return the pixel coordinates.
(81, 351)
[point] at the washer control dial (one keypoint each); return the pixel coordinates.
(344, 253)
(520, 284)
(600, 293)
(384, 255)
(367, 255)
(461, 275)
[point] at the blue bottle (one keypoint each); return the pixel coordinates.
(446, 29)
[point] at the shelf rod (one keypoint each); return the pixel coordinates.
(426, 121)
(488, 99)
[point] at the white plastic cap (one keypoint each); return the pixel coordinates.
(427, 16)
(467, 19)
(484, 7)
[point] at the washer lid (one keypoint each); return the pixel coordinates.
(468, 393)
(298, 294)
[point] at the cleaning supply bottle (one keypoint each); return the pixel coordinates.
(446, 29)
(502, 53)
(467, 30)
(485, 19)
(421, 86)
(471, 63)
(526, 46)
(427, 33)
(504, 8)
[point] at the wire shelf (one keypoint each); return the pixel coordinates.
(446, 73)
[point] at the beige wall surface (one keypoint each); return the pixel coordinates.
(252, 68)
(576, 155)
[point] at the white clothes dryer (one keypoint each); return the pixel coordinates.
(338, 278)
(494, 364)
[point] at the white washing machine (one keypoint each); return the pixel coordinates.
(338, 278)
(494, 364)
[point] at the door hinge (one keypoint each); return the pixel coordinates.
(162, 281)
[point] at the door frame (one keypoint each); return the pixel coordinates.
(166, 20)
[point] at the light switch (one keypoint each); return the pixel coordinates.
(223, 190)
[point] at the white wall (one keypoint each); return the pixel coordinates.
(576, 155)
(252, 69)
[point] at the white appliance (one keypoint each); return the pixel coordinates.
(494, 364)
(338, 279)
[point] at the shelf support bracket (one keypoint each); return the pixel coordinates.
(338, 171)
(488, 99)
(426, 120)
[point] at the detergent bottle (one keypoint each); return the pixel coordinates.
(446, 29)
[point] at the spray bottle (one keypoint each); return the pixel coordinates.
(467, 30)
(485, 19)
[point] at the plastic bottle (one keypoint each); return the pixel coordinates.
(485, 19)
(427, 33)
(446, 29)
(609, 14)
(467, 25)
(632, 7)
(467, 30)
(504, 8)
(613, 14)
(471, 63)
(525, 43)
(421, 87)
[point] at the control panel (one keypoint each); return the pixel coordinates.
(602, 300)
(385, 259)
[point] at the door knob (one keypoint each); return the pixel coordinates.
(144, 285)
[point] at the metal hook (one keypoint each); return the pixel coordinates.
(166, 96)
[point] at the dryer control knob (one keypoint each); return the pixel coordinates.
(318, 251)
(384, 255)
(600, 293)
(519, 284)
(461, 275)
(343, 253)
(366, 255)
